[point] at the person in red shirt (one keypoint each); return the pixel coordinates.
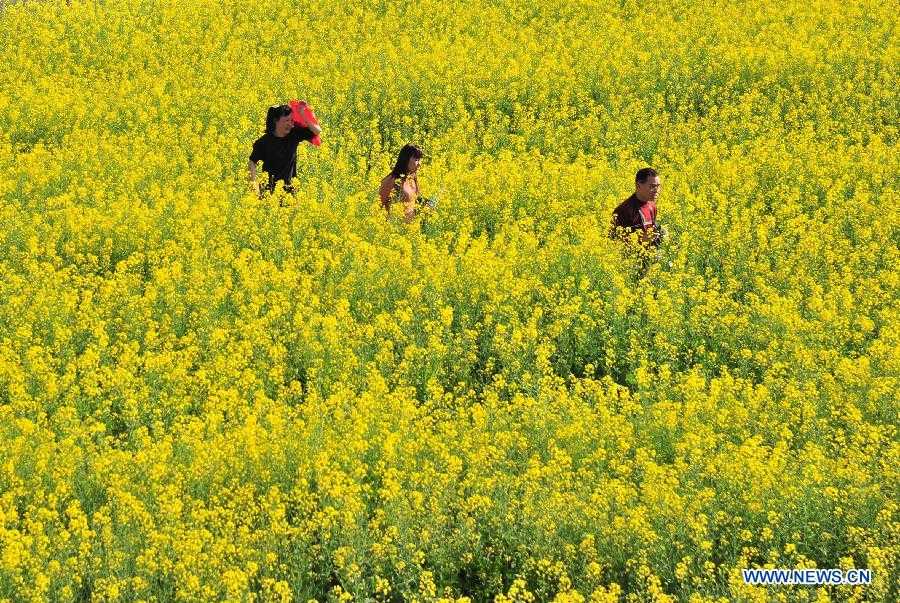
(637, 213)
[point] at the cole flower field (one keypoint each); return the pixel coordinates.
(205, 395)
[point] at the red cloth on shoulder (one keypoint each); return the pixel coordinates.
(302, 115)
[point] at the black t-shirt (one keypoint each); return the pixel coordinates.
(279, 155)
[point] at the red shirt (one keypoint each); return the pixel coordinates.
(633, 214)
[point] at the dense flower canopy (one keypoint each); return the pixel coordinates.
(205, 395)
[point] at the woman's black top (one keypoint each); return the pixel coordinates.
(279, 155)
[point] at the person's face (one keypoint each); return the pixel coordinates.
(413, 165)
(648, 190)
(283, 125)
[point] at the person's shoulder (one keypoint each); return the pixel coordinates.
(300, 133)
(386, 185)
(260, 149)
(624, 204)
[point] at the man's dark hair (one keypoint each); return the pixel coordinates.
(643, 174)
(275, 113)
(406, 153)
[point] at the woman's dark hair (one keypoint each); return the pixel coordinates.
(406, 153)
(275, 113)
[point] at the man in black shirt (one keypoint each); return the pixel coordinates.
(637, 213)
(277, 148)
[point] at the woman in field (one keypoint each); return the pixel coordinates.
(277, 148)
(401, 185)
